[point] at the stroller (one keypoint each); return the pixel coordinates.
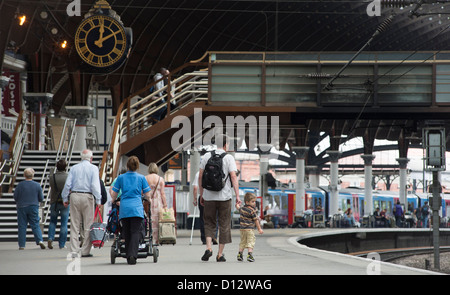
(146, 246)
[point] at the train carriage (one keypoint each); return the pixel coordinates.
(281, 202)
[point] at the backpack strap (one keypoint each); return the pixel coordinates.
(222, 155)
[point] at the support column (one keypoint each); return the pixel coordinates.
(368, 197)
(403, 163)
(38, 104)
(313, 175)
(435, 206)
(264, 154)
(334, 177)
(82, 114)
(301, 153)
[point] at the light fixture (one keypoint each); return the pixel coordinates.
(44, 14)
(63, 44)
(22, 18)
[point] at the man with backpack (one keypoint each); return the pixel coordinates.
(216, 179)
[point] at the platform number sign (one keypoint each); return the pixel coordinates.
(435, 146)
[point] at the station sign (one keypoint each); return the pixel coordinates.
(11, 94)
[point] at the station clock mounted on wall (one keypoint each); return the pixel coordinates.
(101, 40)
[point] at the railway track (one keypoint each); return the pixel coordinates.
(392, 254)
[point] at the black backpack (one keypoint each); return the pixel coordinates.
(213, 176)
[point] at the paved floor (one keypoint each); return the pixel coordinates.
(276, 253)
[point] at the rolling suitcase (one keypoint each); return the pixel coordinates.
(167, 232)
(167, 227)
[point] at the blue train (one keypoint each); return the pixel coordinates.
(279, 202)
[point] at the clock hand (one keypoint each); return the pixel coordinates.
(102, 30)
(100, 41)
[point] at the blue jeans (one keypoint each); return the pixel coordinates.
(425, 221)
(25, 216)
(57, 209)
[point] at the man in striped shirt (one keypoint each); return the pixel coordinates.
(248, 220)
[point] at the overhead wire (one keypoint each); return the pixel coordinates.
(352, 129)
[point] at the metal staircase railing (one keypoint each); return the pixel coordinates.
(9, 167)
(139, 116)
(133, 118)
(68, 138)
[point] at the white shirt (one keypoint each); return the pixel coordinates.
(160, 84)
(229, 165)
(83, 177)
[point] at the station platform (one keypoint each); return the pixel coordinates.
(276, 253)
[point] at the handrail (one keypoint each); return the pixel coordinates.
(68, 134)
(145, 108)
(140, 112)
(44, 204)
(15, 150)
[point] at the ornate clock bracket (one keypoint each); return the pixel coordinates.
(102, 41)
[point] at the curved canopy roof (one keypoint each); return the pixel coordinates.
(170, 33)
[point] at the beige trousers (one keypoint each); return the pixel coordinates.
(82, 209)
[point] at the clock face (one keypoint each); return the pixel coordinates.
(100, 41)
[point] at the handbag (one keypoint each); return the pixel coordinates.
(167, 215)
(97, 231)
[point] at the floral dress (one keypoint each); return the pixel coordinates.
(156, 205)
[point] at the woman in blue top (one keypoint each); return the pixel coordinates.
(132, 185)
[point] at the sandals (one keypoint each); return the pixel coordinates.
(208, 253)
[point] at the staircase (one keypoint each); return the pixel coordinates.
(36, 160)
(137, 133)
(134, 133)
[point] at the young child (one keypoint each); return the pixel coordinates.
(248, 220)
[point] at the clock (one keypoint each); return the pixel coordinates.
(102, 42)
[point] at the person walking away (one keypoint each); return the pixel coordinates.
(57, 181)
(83, 186)
(418, 215)
(27, 195)
(195, 191)
(132, 185)
(398, 213)
(217, 204)
(158, 197)
(248, 220)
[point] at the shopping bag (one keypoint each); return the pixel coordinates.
(166, 215)
(97, 231)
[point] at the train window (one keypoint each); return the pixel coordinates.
(383, 205)
(318, 204)
(389, 207)
(376, 204)
(343, 207)
(283, 202)
(277, 200)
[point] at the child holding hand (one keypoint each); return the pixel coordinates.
(248, 220)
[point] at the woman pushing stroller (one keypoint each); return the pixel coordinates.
(132, 185)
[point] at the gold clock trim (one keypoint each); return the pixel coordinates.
(84, 48)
